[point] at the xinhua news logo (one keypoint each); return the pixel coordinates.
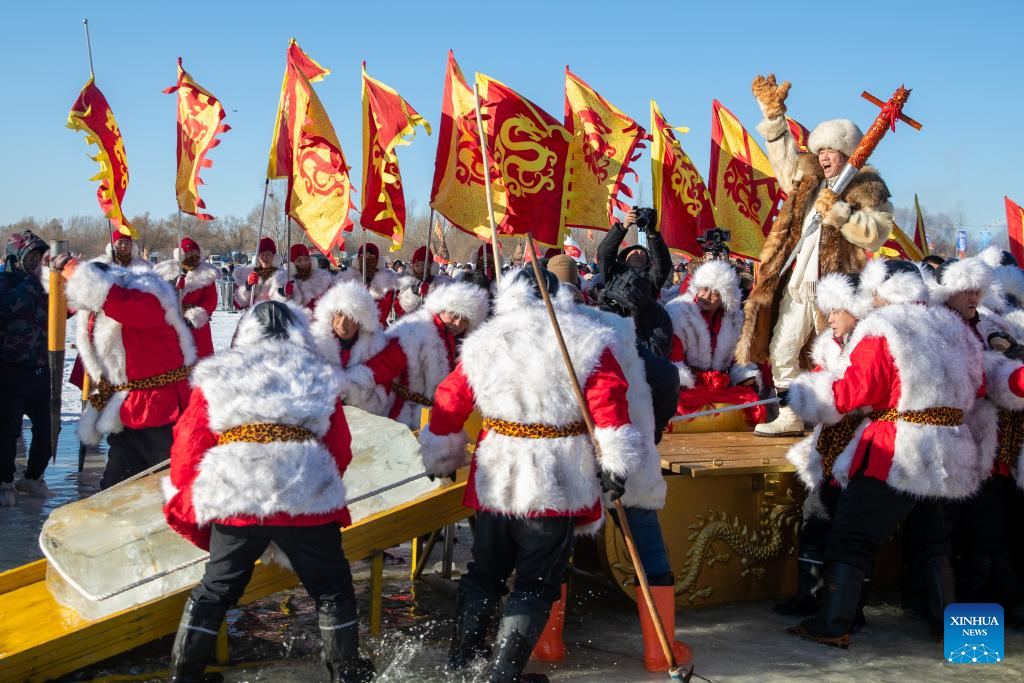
(973, 633)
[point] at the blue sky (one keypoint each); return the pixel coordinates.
(962, 60)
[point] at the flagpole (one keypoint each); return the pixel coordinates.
(259, 236)
(288, 251)
(88, 46)
(426, 257)
(487, 183)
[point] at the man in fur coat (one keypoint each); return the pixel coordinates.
(780, 315)
(535, 479)
(348, 333)
(196, 283)
(839, 301)
(382, 282)
(706, 324)
(124, 253)
(919, 370)
(422, 349)
(260, 283)
(257, 460)
(138, 351)
(309, 283)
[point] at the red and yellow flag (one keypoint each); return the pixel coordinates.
(199, 122)
(900, 246)
(680, 195)
(530, 150)
(388, 121)
(457, 192)
(298, 67)
(743, 188)
(604, 144)
(319, 188)
(920, 238)
(1015, 229)
(92, 115)
(800, 134)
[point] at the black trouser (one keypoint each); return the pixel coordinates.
(314, 552)
(869, 511)
(985, 570)
(26, 391)
(814, 528)
(537, 548)
(133, 450)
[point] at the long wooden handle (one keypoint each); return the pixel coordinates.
(620, 512)
(487, 186)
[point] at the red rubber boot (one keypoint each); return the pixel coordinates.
(550, 646)
(665, 603)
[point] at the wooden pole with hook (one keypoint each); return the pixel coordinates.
(675, 670)
(487, 184)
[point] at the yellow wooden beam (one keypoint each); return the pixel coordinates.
(376, 592)
(40, 639)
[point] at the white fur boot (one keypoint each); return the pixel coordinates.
(786, 424)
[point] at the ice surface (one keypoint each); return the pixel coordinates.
(118, 537)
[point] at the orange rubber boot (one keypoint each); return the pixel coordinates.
(550, 647)
(665, 603)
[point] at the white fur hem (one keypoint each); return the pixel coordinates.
(93, 425)
(807, 461)
(686, 380)
(169, 489)
(443, 455)
(621, 450)
(810, 397)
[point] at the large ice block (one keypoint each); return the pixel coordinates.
(100, 546)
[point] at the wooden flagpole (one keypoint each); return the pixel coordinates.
(487, 184)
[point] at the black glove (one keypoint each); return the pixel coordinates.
(612, 484)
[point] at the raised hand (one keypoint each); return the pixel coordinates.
(770, 95)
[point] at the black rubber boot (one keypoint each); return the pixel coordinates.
(340, 632)
(840, 600)
(474, 613)
(859, 620)
(195, 642)
(805, 602)
(973, 576)
(940, 592)
(522, 621)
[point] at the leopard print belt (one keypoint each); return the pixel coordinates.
(834, 439)
(105, 390)
(265, 432)
(533, 431)
(409, 395)
(1011, 436)
(937, 417)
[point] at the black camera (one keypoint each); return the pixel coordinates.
(646, 218)
(714, 242)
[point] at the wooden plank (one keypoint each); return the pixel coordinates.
(40, 639)
(22, 576)
(735, 467)
(724, 453)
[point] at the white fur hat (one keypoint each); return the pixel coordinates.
(348, 298)
(251, 329)
(838, 292)
(465, 300)
(897, 282)
(721, 277)
(954, 277)
(840, 134)
(1006, 274)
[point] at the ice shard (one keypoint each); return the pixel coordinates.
(114, 550)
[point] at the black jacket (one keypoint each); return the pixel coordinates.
(610, 261)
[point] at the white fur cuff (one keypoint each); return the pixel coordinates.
(773, 129)
(88, 287)
(998, 369)
(169, 490)
(443, 455)
(197, 317)
(686, 380)
(810, 397)
(621, 450)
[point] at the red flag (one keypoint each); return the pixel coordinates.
(299, 68)
(530, 149)
(92, 115)
(1015, 229)
(800, 134)
(680, 195)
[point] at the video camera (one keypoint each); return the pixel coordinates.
(714, 242)
(646, 218)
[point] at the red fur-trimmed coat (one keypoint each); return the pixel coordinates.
(905, 357)
(248, 484)
(198, 300)
(133, 330)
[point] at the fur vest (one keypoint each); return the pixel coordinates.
(278, 383)
(516, 373)
(203, 275)
(689, 325)
(119, 352)
(426, 359)
(926, 460)
(264, 290)
(835, 254)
